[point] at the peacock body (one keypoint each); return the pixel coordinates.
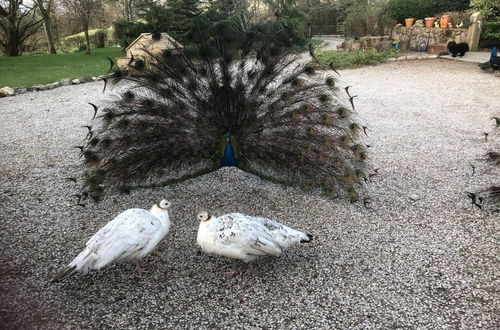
(264, 112)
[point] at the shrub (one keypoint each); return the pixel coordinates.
(489, 8)
(418, 9)
(349, 59)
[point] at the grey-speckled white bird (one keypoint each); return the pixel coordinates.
(243, 237)
(132, 235)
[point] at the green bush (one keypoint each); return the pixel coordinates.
(491, 30)
(451, 5)
(489, 8)
(418, 9)
(349, 59)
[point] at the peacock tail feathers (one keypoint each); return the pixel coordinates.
(285, 122)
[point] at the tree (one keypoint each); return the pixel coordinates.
(18, 22)
(83, 11)
(47, 24)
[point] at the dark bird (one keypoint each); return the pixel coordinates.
(95, 110)
(277, 119)
(486, 136)
(494, 60)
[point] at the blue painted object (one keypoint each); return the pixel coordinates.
(494, 52)
(229, 159)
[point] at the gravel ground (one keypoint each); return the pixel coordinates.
(426, 264)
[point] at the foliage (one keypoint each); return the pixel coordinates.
(491, 30)
(363, 20)
(29, 70)
(489, 8)
(126, 32)
(350, 59)
(451, 5)
(287, 122)
(418, 9)
(17, 24)
(99, 38)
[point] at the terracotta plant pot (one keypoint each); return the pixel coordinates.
(445, 19)
(409, 22)
(429, 21)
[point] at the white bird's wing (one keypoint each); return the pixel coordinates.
(122, 237)
(283, 235)
(244, 237)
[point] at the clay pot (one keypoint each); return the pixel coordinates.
(409, 22)
(445, 19)
(429, 21)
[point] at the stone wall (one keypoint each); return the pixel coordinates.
(415, 38)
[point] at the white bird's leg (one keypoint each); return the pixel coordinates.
(139, 266)
(231, 270)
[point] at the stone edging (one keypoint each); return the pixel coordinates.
(412, 57)
(9, 91)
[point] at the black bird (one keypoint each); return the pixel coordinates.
(95, 109)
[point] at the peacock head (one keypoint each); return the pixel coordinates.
(164, 204)
(203, 216)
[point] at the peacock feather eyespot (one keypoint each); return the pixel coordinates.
(342, 112)
(285, 97)
(309, 70)
(124, 189)
(94, 141)
(124, 123)
(330, 82)
(297, 82)
(327, 119)
(139, 64)
(147, 103)
(90, 157)
(311, 131)
(323, 98)
(128, 96)
(354, 127)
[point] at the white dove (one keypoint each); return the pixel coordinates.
(132, 235)
(243, 237)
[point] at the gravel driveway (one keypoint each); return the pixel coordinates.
(433, 263)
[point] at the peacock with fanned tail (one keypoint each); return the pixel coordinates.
(265, 112)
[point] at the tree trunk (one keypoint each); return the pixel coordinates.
(87, 38)
(47, 26)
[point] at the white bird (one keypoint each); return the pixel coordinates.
(243, 237)
(132, 235)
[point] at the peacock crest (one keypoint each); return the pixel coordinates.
(265, 112)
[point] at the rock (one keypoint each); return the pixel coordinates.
(65, 82)
(53, 85)
(94, 78)
(101, 77)
(414, 197)
(39, 87)
(85, 79)
(392, 59)
(7, 91)
(21, 90)
(76, 81)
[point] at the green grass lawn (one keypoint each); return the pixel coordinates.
(43, 69)
(352, 59)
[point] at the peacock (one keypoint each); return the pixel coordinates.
(184, 114)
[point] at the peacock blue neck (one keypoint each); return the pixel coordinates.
(228, 159)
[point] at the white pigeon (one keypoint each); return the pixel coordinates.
(132, 235)
(243, 237)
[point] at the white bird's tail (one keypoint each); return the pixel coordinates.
(82, 263)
